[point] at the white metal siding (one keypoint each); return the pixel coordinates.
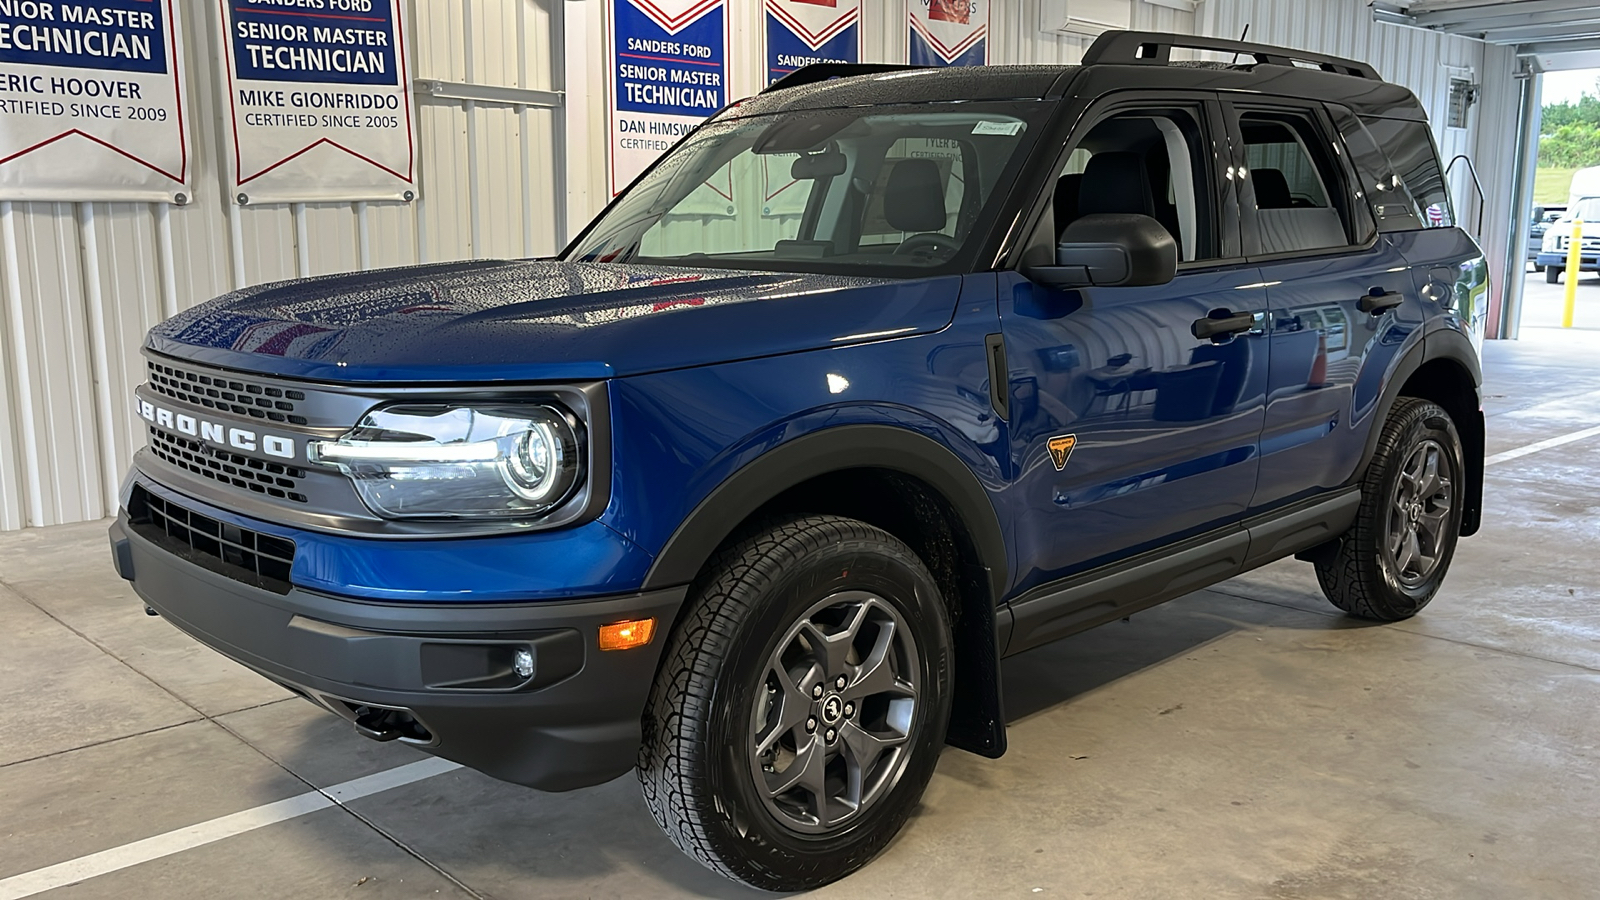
(80, 283)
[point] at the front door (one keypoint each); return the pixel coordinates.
(1127, 431)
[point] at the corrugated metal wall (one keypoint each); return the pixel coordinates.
(82, 282)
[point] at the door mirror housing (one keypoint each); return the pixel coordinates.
(1111, 250)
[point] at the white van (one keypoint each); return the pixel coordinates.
(1553, 252)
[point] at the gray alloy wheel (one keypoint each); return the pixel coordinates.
(801, 704)
(1418, 515)
(833, 719)
(1392, 560)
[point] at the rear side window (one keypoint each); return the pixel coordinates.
(1409, 148)
(1295, 182)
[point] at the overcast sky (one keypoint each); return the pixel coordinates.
(1567, 87)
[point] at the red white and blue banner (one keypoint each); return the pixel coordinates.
(668, 61)
(319, 100)
(947, 32)
(92, 101)
(802, 32)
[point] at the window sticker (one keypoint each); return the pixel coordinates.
(1006, 128)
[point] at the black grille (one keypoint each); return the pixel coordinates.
(239, 553)
(226, 392)
(245, 472)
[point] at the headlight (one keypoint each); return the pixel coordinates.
(1552, 241)
(460, 461)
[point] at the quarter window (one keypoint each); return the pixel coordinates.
(1409, 146)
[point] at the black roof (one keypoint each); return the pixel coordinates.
(1118, 59)
(904, 84)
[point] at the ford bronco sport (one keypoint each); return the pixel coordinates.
(876, 378)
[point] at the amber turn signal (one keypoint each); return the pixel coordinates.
(627, 635)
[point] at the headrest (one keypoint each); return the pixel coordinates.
(1066, 199)
(1115, 183)
(1272, 189)
(914, 198)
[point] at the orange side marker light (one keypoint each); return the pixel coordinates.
(627, 635)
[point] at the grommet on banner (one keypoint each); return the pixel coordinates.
(180, 199)
(243, 198)
(409, 196)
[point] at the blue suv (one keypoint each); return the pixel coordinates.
(874, 379)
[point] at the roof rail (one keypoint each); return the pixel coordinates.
(823, 71)
(1155, 48)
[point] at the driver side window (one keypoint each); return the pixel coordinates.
(1147, 161)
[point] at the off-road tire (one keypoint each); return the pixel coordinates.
(693, 763)
(1357, 577)
(1552, 274)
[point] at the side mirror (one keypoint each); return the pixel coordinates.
(1111, 250)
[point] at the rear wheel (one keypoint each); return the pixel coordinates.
(1552, 274)
(801, 705)
(1392, 560)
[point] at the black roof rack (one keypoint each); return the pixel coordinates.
(1154, 48)
(823, 71)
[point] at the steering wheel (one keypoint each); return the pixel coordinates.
(925, 244)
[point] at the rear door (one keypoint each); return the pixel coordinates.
(1342, 302)
(1128, 432)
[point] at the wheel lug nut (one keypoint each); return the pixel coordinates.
(849, 710)
(811, 725)
(839, 682)
(830, 735)
(816, 692)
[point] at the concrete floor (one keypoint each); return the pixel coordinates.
(1244, 741)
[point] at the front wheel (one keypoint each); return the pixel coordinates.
(801, 704)
(1552, 274)
(1393, 559)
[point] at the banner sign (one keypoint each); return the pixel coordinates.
(669, 72)
(319, 98)
(91, 101)
(947, 32)
(802, 32)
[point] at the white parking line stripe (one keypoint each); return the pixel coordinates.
(1519, 452)
(85, 867)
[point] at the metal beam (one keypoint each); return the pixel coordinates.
(488, 93)
(1544, 33)
(1451, 17)
(1552, 48)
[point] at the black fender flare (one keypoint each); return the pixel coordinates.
(819, 453)
(978, 720)
(1438, 344)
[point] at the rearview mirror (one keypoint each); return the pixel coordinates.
(810, 167)
(1111, 250)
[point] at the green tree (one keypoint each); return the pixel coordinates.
(1571, 146)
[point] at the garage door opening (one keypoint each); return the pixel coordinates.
(1565, 201)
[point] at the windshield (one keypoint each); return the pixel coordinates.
(1587, 209)
(877, 190)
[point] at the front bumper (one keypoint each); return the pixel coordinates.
(1588, 262)
(433, 675)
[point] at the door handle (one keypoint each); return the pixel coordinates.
(1222, 323)
(1377, 300)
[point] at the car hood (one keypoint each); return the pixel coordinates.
(534, 320)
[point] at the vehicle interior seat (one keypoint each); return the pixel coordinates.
(913, 199)
(1285, 228)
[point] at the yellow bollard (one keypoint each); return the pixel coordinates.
(1574, 251)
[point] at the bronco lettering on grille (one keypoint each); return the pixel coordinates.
(219, 433)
